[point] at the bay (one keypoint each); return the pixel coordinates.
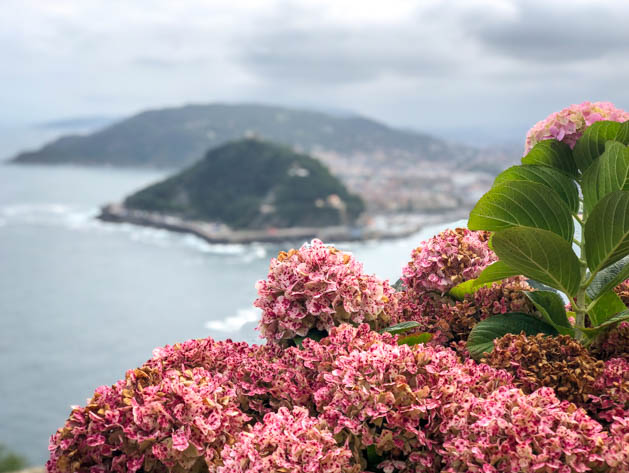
(82, 301)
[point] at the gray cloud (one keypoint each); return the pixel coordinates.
(481, 66)
(554, 31)
(344, 55)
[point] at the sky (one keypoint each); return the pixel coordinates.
(472, 70)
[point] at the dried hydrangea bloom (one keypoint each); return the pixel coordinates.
(502, 297)
(287, 441)
(450, 321)
(153, 421)
(509, 431)
(447, 259)
(623, 291)
(569, 124)
(613, 344)
(561, 363)
(318, 287)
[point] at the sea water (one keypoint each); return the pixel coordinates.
(82, 301)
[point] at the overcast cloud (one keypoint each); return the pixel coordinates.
(466, 68)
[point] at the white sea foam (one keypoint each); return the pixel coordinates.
(234, 322)
(84, 219)
(49, 214)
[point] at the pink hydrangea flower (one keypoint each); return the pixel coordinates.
(569, 124)
(318, 287)
(390, 397)
(447, 259)
(289, 441)
(153, 419)
(509, 432)
(613, 386)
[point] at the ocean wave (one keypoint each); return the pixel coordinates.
(84, 219)
(234, 322)
(51, 214)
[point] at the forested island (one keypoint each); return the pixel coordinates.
(250, 190)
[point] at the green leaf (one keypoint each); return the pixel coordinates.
(608, 173)
(552, 308)
(495, 272)
(482, 336)
(525, 204)
(540, 255)
(554, 154)
(592, 144)
(373, 459)
(416, 339)
(605, 307)
(614, 320)
(608, 278)
(606, 231)
(463, 289)
(564, 186)
(400, 328)
(540, 286)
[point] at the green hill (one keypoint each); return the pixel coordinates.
(176, 137)
(253, 184)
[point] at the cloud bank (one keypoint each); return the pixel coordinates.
(478, 69)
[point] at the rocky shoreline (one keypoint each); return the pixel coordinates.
(219, 233)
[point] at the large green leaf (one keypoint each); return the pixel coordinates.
(463, 289)
(495, 272)
(481, 338)
(592, 144)
(614, 320)
(525, 204)
(564, 186)
(552, 309)
(607, 231)
(554, 154)
(540, 255)
(605, 307)
(608, 173)
(609, 278)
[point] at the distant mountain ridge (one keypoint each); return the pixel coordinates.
(177, 137)
(253, 184)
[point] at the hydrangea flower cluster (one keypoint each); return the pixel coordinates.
(289, 441)
(150, 421)
(561, 363)
(445, 260)
(366, 402)
(569, 124)
(611, 399)
(318, 287)
(390, 397)
(614, 344)
(509, 431)
(450, 321)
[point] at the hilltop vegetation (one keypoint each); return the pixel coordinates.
(253, 184)
(176, 137)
